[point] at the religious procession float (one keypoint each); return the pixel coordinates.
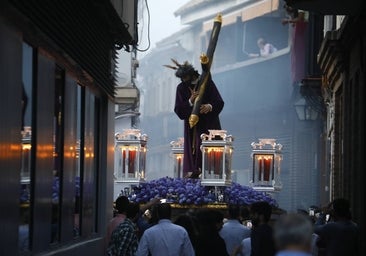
(213, 187)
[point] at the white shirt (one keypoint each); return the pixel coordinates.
(268, 49)
(246, 247)
(165, 239)
(233, 232)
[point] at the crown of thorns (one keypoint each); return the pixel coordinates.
(182, 69)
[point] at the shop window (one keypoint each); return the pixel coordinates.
(72, 184)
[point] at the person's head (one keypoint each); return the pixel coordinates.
(340, 208)
(260, 212)
(234, 211)
(218, 219)
(186, 72)
(132, 211)
(261, 42)
(187, 222)
(244, 212)
(122, 204)
(163, 211)
(293, 231)
(288, 8)
(294, 13)
(210, 220)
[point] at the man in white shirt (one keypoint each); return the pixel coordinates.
(165, 238)
(265, 49)
(233, 231)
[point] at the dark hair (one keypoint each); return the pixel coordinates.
(188, 223)
(262, 208)
(163, 211)
(121, 204)
(244, 212)
(132, 210)
(234, 211)
(186, 70)
(207, 220)
(292, 229)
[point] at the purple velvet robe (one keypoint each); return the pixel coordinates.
(192, 161)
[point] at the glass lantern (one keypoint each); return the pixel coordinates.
(267, 157)
(178, 154)
(131, 148)
(217, 150)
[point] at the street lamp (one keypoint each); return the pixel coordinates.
(305, 111)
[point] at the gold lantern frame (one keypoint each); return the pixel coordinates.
(217, 149)
(177, 148)
(267, 157)
(132, 147)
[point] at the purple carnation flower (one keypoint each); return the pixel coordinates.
(190, 191)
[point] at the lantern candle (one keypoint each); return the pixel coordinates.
(210, 161)
(179, 158)
(123, 161)
(260, 168)
(218, 163)
(267, 167)
(131, 163)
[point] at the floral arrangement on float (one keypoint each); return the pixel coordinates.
(188, 192)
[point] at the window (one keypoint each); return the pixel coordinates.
(60, 182)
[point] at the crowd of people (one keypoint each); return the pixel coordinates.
(152, 229)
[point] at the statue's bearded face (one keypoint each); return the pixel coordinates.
(186, 79)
